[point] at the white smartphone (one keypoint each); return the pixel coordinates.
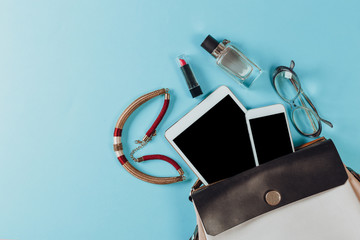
(269, 133)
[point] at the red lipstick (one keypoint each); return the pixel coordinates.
(189, 76)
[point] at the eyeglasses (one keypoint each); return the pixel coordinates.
(305, 119)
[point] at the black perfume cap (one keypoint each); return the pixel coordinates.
(209, 44)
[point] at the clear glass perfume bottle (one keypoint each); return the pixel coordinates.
(232, 60)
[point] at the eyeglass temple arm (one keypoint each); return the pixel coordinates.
(313, 107)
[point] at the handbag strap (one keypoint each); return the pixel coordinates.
(355, 174)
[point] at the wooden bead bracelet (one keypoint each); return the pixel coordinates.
(118, 146)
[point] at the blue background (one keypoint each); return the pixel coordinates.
(69, 68)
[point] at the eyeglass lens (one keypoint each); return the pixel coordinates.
(287, 85)
(305, 120)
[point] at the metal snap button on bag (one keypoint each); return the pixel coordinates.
(273, 198)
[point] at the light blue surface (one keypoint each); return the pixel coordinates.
(69, 68)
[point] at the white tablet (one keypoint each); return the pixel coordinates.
(213, 138)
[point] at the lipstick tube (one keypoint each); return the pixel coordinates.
(189, 76)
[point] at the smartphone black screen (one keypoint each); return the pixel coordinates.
(218, 143)
(271, 137)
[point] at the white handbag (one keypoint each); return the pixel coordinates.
(308, 194)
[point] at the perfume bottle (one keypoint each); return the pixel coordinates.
(232, 60)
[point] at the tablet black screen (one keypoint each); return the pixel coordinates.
(218, 143)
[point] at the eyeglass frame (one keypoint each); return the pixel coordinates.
(300, 93)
